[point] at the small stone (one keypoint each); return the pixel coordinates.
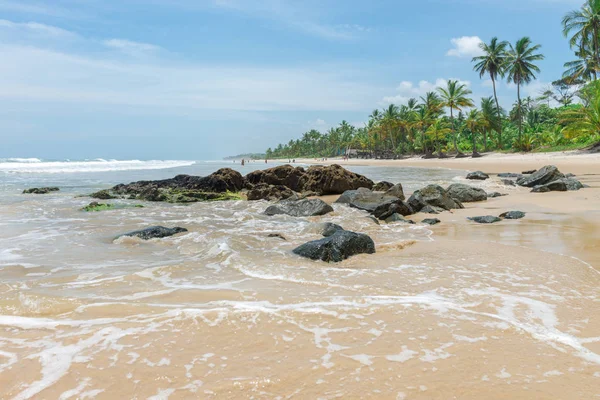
(495, 194)
(431, 221)
(276, 235)
(478, 175)
(486, 219)
(512, 215)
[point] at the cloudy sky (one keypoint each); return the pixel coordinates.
(202, 79)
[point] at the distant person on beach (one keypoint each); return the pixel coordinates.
(242, 162)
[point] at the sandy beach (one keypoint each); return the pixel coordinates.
(562, 222)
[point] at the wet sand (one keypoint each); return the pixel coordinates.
(454, 311)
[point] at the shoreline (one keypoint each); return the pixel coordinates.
(562, 223)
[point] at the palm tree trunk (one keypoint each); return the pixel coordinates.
(485, 146)
(453, 131)
(520, 110)
(474, 143)
(499, 113)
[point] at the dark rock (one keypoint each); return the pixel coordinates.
(555, 186)
(220, 185)
(349, 195)
(398, 218)
(337, 247)
(431, 221)
(572, 184)
(300, 208)
(509, 175)
(495, 194)
(547, 174)
(531, 171)
(478, 175)
(384, 210)
(512, 215)
(329, 228)
(42, 190)
(263, 191)
(282, 175)
(509, 182)
(372, 218)
(369, 201)
(465, 193)
(102, 195)
(332, 179)
(382, 186)
(431, 210)
(432, 195)
(154, 232)
(276, 235)
(396, 191)
(487, 219)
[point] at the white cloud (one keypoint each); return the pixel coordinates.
(35, 28)
(130, 47)
(407, 90)
(465, 46)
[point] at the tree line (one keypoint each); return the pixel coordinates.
(449, 120)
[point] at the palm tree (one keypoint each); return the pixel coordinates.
(438, 130)
(584, 120)
(492, 62)
(390, 123)
(474, 124)
(491, 119)
(520, 67)
(584, 26)
(454, 96)
(583, 69)
(546, 95)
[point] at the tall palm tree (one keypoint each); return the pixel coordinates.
(390, 123)
(584, 120)
(454, 96)
(520, 67)
(584, 68)
(492, 62)
(584, 27)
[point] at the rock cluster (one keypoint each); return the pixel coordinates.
(41, 190)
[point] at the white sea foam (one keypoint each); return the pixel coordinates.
(58, 167)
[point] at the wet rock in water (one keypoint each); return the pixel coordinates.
(349, 195)
(431, 210)
(509, 175)
(478, 175)
(384, 210)
(332, 179)
(432, 195)
(529, 172)
(495, 194)
(282, 175)
(373, 219)
(382, 186)
(102, 195)
(509, 182)
(263, 191)
(431, 221)
(95, 206)
(220, 185)
(41, 190)
(512, 215)
(396, 191)
(465, 193)
(486, 219)
(366, 200)
(398, 218)
(300, 208)
(545, 175)
(337, 247)
(154, 232)
(329, 228)
(276, 235)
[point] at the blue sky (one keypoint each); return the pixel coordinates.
(202, 79)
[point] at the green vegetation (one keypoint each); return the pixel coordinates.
(447, 120)
(95, 206)
(247, 156)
